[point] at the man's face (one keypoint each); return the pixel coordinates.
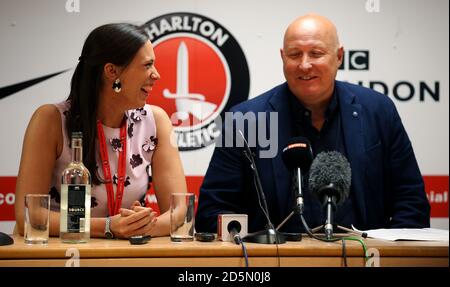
(311, 58)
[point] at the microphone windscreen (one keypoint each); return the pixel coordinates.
(330, 168)
(298, 153)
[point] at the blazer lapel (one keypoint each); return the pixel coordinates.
(351, 115)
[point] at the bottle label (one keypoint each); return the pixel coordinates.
(76, 212)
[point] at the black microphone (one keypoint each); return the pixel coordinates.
(297, 155)
(261, 196)
(269, 235)
(234, 227)
(329, 180)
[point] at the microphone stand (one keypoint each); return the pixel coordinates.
(330, 209)
(362, 234)
(269, 235)
(328, 226)
(299, 200)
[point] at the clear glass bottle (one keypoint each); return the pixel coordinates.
(75, 217)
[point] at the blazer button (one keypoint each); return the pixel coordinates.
(355, 114)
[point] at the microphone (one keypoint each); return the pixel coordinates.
(238, 223)
(269, 235)
(329, 180)
(234, 227)
(297, 155)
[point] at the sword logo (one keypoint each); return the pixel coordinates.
(187, 103)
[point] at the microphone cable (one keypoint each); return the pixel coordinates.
(234, 227)
(308, 230)
(344, 253)
(244, 250)
(238, 240)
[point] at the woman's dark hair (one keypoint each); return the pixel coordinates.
(111, 43)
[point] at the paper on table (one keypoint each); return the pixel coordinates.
(423, 234)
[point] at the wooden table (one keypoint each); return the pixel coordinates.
(161, 252)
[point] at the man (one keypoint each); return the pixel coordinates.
(387, 189)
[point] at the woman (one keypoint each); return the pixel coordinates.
(109, 88)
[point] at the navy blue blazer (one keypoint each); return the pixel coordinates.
(387, 189)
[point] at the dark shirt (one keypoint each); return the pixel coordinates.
(329, 138)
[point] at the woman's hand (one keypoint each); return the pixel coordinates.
(135, 221)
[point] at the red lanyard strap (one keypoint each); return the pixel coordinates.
(113, 204)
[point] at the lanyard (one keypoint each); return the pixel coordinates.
(113, 204)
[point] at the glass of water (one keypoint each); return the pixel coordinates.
(182, 206)
(37, 218)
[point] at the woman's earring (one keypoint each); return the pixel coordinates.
(117, 86)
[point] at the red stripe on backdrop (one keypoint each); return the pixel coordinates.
(437, 193)
(7, 197)
(435, 186)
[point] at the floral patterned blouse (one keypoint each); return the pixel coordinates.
(141, 142)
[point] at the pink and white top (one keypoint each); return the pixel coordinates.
(141, 142)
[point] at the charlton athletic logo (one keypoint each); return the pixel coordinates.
(203, 73)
